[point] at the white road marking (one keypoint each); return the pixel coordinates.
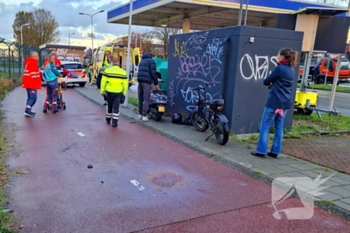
(81, 134)
(137, 184)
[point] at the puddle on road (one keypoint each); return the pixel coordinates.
(167, 180)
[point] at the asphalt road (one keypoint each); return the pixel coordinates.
(140, 181)
(341, 102)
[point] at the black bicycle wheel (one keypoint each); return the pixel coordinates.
(198, 121)
(221, 131)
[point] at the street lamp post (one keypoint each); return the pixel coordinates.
(22, 57)
(92, 27)
(69, 37)
(128, 59)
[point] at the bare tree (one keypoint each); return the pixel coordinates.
(142, 40)
(43, 27)
(21, 18)
(147, 41)
(163, 34)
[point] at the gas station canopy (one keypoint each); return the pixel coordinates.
(322, 11)
(206, 14)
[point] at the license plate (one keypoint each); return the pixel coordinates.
(161, 109)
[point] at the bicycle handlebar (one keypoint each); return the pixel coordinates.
(201, 88)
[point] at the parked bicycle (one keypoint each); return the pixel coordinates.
(209, 114)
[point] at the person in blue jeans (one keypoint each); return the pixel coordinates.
(51, 75)
(280, 83)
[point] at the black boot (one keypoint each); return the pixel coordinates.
(108, 120)
(114, 123)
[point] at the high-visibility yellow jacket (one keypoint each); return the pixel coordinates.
(114, 80)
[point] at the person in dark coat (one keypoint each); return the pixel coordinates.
(147, 75)
(280, 83)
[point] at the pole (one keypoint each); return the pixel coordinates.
(335, 81)
(22, 49)
(325, 79)
(92, 34)
(246, 13)
(128, 56)
(69, 39)
(240, 13)
(306, 71)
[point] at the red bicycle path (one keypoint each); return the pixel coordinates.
(140, 181)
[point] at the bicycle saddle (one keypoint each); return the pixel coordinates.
(216, 102)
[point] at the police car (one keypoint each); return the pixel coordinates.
(76, 73)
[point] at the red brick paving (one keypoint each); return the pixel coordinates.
(332, 152)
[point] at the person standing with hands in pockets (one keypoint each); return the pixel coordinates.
(146, 76)
(280, 83)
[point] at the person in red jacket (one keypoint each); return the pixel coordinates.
(31, 81)
(57, 60)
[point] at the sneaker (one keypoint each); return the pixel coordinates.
(29, 114)
(55, 111)
(144, 118)
(33, 113)
(108, 120)
(44, 111)
(140, 117)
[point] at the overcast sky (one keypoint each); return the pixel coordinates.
(67, 15)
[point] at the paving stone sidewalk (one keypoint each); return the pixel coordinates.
(237, 156)
(331, 152)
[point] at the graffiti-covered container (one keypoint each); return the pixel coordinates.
(235, 61)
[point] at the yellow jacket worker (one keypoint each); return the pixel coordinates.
(114, 84)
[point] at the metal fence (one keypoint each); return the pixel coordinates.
(11, 59)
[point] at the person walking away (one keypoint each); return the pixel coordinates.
(31, 81)
(114, 85)
(280, 83)
(51, 74)
(147, 75)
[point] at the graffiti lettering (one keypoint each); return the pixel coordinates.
(180, 49)
(195, 41)
(66, 55)
(171, 93)
(258, 69)
(192, 97)
(215, 50)
(198, 62)
(195, 65)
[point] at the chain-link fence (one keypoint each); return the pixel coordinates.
(11, 58)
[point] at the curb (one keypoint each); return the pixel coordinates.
(333, 209)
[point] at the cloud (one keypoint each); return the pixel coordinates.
(8, 13)
(67, 15)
